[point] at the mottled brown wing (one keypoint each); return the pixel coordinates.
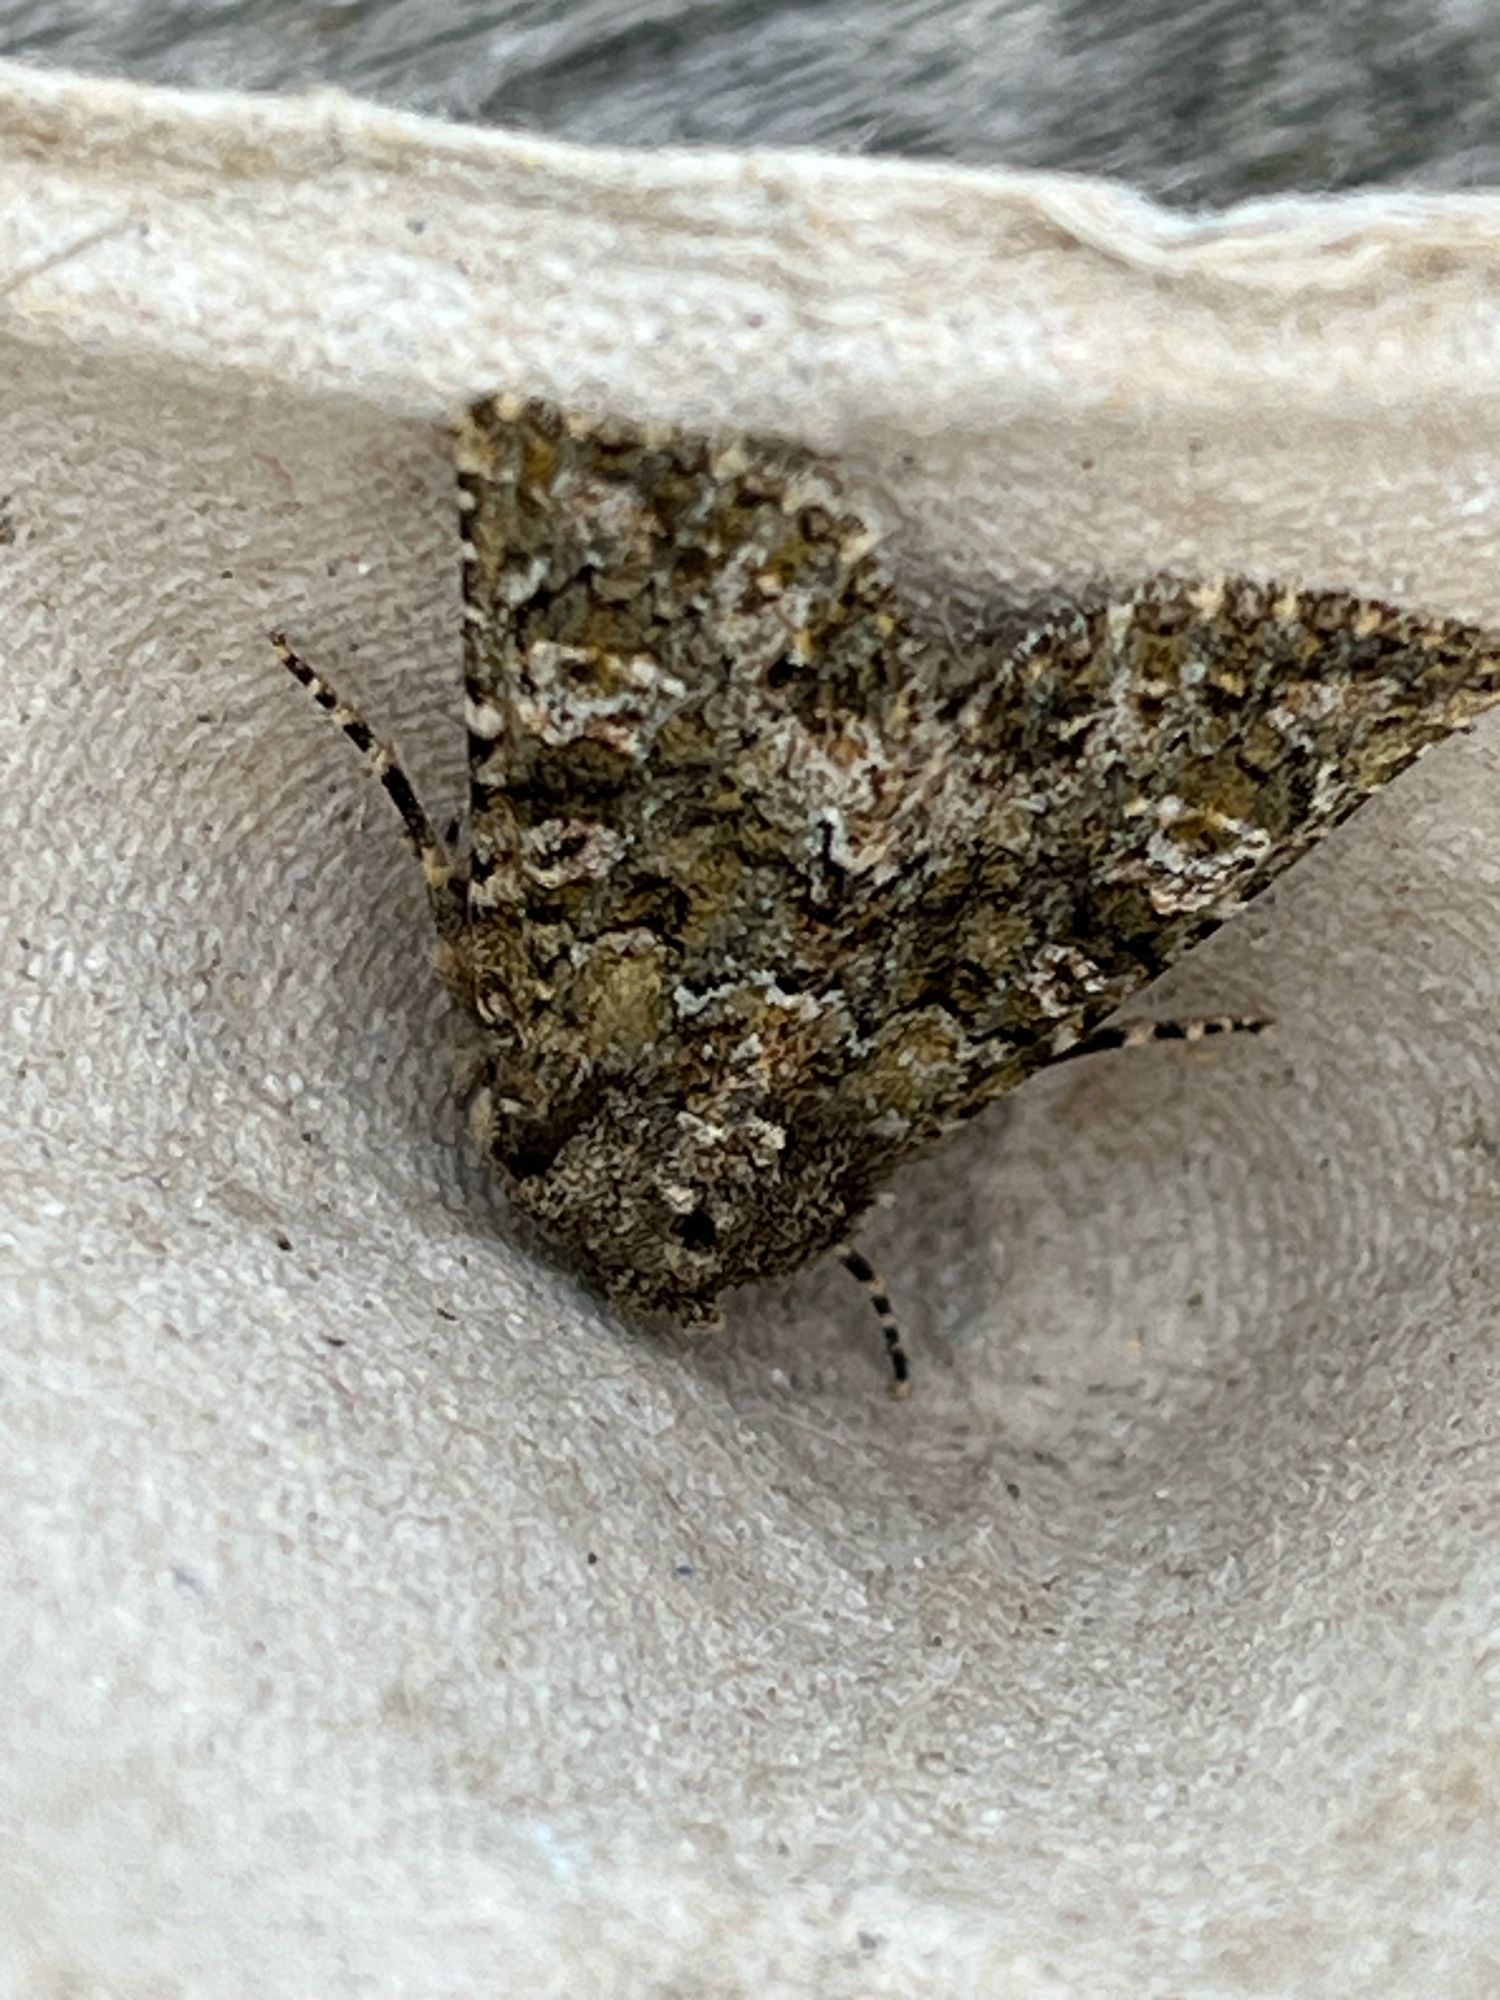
(759, 905)
(1149, 766)
(696, 745)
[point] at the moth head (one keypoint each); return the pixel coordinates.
(664, 1208)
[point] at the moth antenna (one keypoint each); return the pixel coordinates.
(445, 885)
(860, 1268)
(1136, 1034)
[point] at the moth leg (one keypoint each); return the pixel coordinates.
(860, 1267)
(1136, 1034)
(446, 880)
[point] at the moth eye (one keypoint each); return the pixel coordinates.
(782, 671)
(697, 1229)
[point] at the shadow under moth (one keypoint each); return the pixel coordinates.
(764, 884)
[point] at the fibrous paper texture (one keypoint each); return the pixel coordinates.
(382, 1614)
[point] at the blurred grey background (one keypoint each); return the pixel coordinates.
(1197, 101)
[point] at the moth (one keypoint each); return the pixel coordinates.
(764, 883)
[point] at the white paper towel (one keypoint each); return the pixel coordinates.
(382, 1617)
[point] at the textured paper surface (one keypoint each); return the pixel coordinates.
(382, 1617)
